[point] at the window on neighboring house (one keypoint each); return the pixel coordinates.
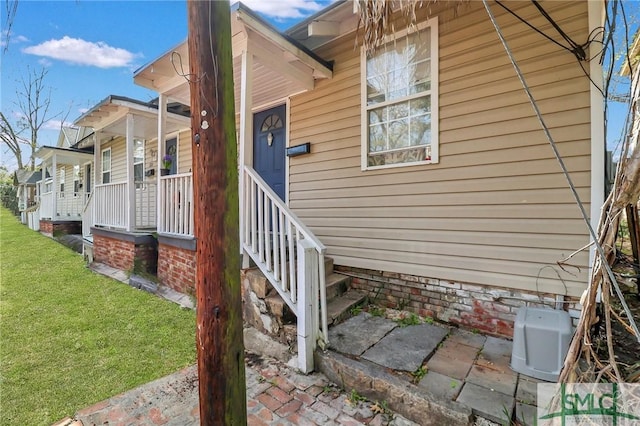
(76, 179)
(106, 165)
(138, 162)
(62, 179)
(400, 100)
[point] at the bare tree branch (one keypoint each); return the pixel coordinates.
(11, 138)
(34, 101)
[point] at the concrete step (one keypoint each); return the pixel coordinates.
(338, 308)
(336, 285)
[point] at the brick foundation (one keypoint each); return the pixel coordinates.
(177, 264)
(491, 310)
(125, 251)
(52, 227)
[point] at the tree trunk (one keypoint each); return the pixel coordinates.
(215, 176)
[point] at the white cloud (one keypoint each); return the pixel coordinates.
(55, 124)
(82, 52)
(284, 9)
(83, 110)
(7, 37)
(45, 62)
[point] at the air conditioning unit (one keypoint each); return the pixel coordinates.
(541, 340)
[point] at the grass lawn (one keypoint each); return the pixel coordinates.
(69, 337)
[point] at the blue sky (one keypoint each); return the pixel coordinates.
(91, 48)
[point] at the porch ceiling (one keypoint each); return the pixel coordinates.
(64, 155)
(110, 118)
(280, 67)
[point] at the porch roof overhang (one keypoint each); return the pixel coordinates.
(109, 117)
(64, 155)
(281, 66)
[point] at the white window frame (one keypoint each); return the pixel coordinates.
(63, 177)
(432, 24)
(77, 182)
(102, 169)
(139, 185)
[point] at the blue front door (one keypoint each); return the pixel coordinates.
(269, 148)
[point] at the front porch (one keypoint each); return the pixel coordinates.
(268, 68)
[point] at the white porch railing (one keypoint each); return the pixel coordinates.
(176, 210)
(290, 256)
(46, 206)
(146, 210)
(87, 217)
(70, 204)
(110, 205)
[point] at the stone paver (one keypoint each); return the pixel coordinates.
(494, 405)
(406, 348)
(467, 338)
(359, 333)
(526, 414)
(441, 386)
(493, 379)
(453, 359)
(527, 390)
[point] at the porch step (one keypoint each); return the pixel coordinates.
(339, 308)
(336, 284)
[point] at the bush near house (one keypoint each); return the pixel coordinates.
(70, 337)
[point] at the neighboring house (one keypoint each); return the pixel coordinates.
(428, 178)
(127, 207)
(26, 190)
(64, 191)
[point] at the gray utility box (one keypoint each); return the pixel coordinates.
(540, 342)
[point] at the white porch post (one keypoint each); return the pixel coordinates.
(97, 171)
(131, 188)
(54, 186)
(162, 129)
(246, 139)
(307, 291)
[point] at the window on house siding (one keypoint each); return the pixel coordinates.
(138, 162)
(62, 179)
(106, 166)
(76, 179)
(400, 100)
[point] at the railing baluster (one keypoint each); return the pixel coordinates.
(292, 262)
(275, 239)
(260, 225)
(283, 251)
(253, 213)
(267, 233)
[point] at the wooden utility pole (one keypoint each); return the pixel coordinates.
(215, 177)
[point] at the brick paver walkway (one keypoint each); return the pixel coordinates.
(276, 395)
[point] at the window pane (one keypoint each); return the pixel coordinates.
(421, 105)
(106, 161)
(106, 177)
(138, 173)
(377, 115)
(398, 131)
(377, 138)
(421, 130)
(397, 111)
(138, 151)
(420, 78)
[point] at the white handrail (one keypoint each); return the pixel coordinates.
(271, 236)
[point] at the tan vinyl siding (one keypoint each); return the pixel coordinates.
(118, 160)
(184, 151)
(496, 209)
